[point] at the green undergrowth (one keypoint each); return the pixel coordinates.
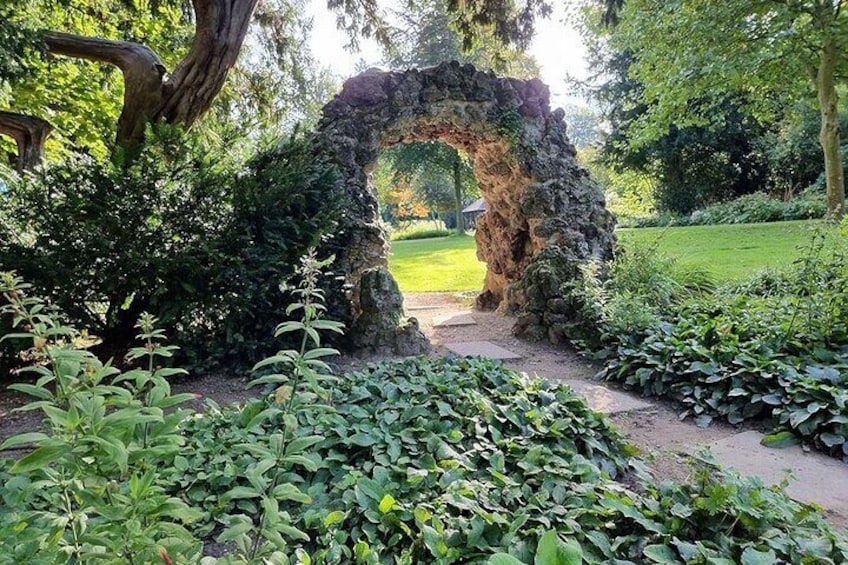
(773, 348)
(405, 462)
(453, 460)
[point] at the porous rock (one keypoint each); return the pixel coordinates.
(545, 216)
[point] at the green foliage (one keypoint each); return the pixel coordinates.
(414, 461)
(284, 204)
(284, 453)
(431, 38)
(749, 209)
(462, 460)
(182, 232)
(629, 193)
(393, 479)
(771, 348)
(90, 484)
(105, 242)
(759, 207)
(688, 54)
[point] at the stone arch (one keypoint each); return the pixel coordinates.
(545, 215)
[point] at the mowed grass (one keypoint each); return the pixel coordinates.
(729, 252)
(443, 264)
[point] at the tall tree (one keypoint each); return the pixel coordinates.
(689, 51)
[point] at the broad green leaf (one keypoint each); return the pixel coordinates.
(553, 551)
(387, 504)
(41, 457)
(660, 553)
(753, 557)
(22, 439)
(335, 517)
(780, 440)
(503, 559)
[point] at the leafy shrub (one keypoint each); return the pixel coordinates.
(639, 289)
(752, 208)
(183, 232)
(90, 488)
(447, 461)
(759, 207)
(106, 242)
(773, 347)
(283, 204)
(420, 234)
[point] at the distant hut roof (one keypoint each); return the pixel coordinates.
(478, 205)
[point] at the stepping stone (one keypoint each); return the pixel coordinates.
(818, 478)
(454, 319)
(481, 349)
(418, 308)
(605, 400)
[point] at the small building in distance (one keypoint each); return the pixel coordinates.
(472, 211)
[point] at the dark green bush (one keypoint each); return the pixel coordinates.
(283, 204)
(184, 231)
(752, 208)
(421, 234)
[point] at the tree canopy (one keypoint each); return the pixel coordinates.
(689, 53)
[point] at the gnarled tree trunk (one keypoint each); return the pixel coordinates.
(29, 134)
(150, 94)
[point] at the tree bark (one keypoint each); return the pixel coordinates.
(221, 26)
(457, 190)
(151, 95)
(829, 134)
(29, 134)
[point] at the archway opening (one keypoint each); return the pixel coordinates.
(502, 235)
(423, 189)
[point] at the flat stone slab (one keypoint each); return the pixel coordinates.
(818, 478)
(605, 400)
(481, 349)
(454, 319)
(419, 308)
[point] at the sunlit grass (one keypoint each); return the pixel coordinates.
(437, 265)
(730, 252)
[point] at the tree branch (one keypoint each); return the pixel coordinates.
(143, 76)
(29, 134)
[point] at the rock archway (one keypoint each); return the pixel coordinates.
(545, 215)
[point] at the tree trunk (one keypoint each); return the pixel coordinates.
(221, 26)
(187, 93)
(829, 134)
(457, 191)
(29, 134)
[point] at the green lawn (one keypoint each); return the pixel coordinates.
(435, 265)
(728, 251)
